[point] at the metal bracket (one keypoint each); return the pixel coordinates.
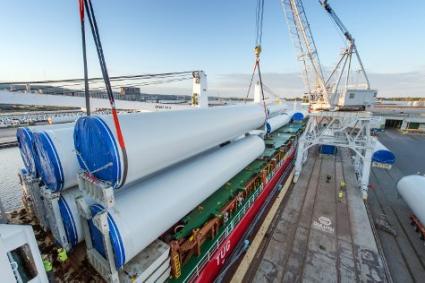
(54, 217)
(341, 129)
(104, 266)
(101, 192)
(31, 189)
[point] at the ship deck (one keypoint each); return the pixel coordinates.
(316, 235)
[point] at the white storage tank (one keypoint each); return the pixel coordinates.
(412, 190)
(146, 210)
(381, 154)
(25, 138)
(70, 217)
(276, 122)
(299, 115)
(57, 161)
(275, 109)
(159, 139)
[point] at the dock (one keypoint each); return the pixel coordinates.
(8, 142)
(403, 247)
(320, 233)
(8, 137)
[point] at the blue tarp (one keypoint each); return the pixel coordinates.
(116, 240)
(48, 164)
(95, 142)
(26, 148)
(68, 222)
(327, 149)
(298, 116)
(383, 156)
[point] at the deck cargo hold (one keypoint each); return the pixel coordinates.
(382, 154)
(25, 138)
(412, 190)
(159, 139)
(278, 121)
(57, 162)
(136, 218)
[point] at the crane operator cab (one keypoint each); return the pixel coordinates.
(356, 99)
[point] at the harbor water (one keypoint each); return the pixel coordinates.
(10, 190)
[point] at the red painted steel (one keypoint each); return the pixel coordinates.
(219, 257)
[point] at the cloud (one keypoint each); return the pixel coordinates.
(283, 85)
(399, 85)
(291, 84)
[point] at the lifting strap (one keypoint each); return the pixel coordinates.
(257, 51)
(83, 40)
(102, 62)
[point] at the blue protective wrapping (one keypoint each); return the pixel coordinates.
(26, 148)
(116, 240)
(298, 116)
(48, 164)
(68, 222)
(268, 128)
(327, 149)
(99, 147)
(383, 156)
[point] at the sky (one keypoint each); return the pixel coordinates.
(42, 40)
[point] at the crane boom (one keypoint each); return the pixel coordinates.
(347, 96)
(335, 92)
(347, 35)
(336, 19)
(299, 29)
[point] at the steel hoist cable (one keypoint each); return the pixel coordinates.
(96, 37)
(83, 41)
(257, 50)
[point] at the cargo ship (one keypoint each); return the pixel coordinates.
(85, 212)
(205, 238)
(198, 246)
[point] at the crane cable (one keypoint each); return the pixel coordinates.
(83, 40)
(257, 51)
(98, 44)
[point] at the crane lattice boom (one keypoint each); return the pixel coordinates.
(302, 37)
(329, 94)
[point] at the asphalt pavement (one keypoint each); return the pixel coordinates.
(403, 249)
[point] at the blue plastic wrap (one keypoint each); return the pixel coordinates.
(68, 222)
(49, 165)
(25, 144)
(98, 153)
(116, 240)
(383, 156)
(298, 116)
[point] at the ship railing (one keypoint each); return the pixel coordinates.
(236, 219)
(223, 235)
